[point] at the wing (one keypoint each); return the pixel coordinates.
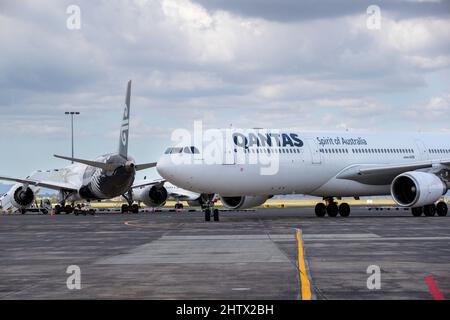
(145, 183)
(43, 183)
(384, 174)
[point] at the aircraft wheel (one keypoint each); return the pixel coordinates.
(441, 209)
(332, 209)
(125, 208)
(416, 212)
(216, 214)
(344, 209)
(178, 206)
(320, 209)
(68, 209)
(207, 215)
(429, 210)
(135, 208)
(57, 209)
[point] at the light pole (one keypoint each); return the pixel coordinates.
(72, 113)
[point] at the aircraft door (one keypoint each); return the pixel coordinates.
(423, 154)
(314, 150)
(229, 154)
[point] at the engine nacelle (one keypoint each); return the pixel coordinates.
(416, 189)
(243, 202)
(18, 197)
(151, 196)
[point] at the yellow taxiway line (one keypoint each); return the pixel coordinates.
(304, 280)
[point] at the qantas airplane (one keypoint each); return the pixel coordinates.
(253, 165)
(106, 177)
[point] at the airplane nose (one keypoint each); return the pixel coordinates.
(165, 168)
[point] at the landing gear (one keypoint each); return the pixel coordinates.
(344, 209)
(207, 207)
(441, 209)
(429, 210)
(332, 209)
(125, 208)
(207, 215)
(417, 212)
(320, 209)
(68, 209)
(179, 206)
(58, 209)
(135, 208)
(216, 214)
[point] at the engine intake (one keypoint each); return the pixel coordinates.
(151, 196)
(416, 189)
(243, 202)
(22, 197)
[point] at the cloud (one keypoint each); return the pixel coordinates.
(288, 63)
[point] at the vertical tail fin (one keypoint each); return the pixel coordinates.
(124, 129)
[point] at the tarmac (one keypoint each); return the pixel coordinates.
(270, 253)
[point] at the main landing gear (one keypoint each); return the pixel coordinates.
(129, 207)
(430, 210)
(331, 208)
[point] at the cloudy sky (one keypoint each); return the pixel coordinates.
(312, 65)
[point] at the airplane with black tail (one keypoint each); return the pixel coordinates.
(106, 177)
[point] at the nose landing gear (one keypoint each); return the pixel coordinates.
(207, 208)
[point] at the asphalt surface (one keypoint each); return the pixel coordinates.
(247, 255)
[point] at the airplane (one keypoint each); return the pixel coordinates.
(106, 177)
(155, 194)
(411, 167)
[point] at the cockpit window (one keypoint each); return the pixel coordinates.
(194, 150)
(188, 150)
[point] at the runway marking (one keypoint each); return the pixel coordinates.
(304, 280)
(433, 288)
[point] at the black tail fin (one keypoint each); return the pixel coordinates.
(124, 129)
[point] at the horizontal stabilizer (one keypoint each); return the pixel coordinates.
(42, 183)
(145, 166)
(96, 164)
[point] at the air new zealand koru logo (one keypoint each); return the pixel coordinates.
(124, 128)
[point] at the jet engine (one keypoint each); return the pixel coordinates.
(243, 202)
(416, 189)
(19, 196)
(151, 196)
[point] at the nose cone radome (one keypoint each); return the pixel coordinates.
(166, 168)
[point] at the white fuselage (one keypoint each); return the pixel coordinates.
(296, 162)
